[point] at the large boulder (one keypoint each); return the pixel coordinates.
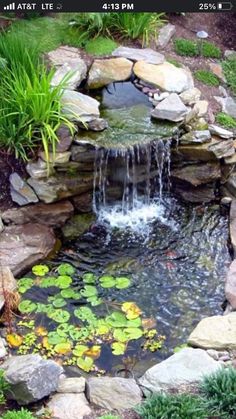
(21, 192)
(22, 246)
(198, 174)
(70, 74)
(180, 372)
(69, 406)
(216, 332)
(107, 71)
(139, 54)
(53, 215)
(113, 393)
(31, 377)
(171, 109)
(61, 186)
(230, 285)
(79, 107)
(165, 76)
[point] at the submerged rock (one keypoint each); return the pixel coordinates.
(171, 109)
(139, 54)
(165, 76)
(79, 107)
(22, 246)
(216, 332)
(69, 406)
(31, 378)
(165, 34)
(181, 372)
(21, 193)
(114, 393)
(108, 71)
(78, 225)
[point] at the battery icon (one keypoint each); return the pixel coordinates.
(224, 6)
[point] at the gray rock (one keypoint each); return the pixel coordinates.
(171, 108)
(181, 371)
(230, 284)
(161, 96)
(83, 203)
(21, 193)
(201, 106)
(78, 225)
(31, 377)
(196, 194)
(221, 132)
(114, 393)
(232, 225)
(196, 137)
(65, 139)
(62, 55)
(38, 169)
(7, 282)
(198, 174)
(24, 245)
(104, 72)
(98, 124)
(79, 107)
(73, 72)
(68, 406)
(231, 184)
(165, 34)
(56, 158)
(137, 54)
(230, 107)
(191, 96)
(222, 148)
(216, 332)
(1, 225)
(223, 91)
(3, 351)
(71, 385)
(230, 54)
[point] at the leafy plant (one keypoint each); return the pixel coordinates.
(207, 77)
(219, 390)
(4, 386)
(18, 414)
(209, 50)
(186, 47)
(226, 120)
(100, 46)
(163, 406)
(229, 67)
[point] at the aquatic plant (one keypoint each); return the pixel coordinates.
(82, 315)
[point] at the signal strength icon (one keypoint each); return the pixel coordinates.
(10, 6)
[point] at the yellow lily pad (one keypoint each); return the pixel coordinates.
(14, 340)
(63, 348)
(131, 310)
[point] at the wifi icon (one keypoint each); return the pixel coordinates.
(10, 6)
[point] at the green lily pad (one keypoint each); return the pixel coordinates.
(59, 316)
(122, 283)
(117, 319)
(85, 364)
(54, 338)
(24, 284)
(133, 333)
(27, 306)
(48, 282)
(63, 329)
(107, 281)
(134, 323)
(89, 278)
(40, 270)
(94, 300)
(79, 350)
(76, 334)
(89, 291)
(63, 281)
(66, 269)
(59, 302)
(118, 348)
(67, 293)
(120, 335)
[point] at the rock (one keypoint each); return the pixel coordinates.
(197, 124)
(79, 107)
(221, 132)
(7, 282)
(1, 225)
(190, 96)
(217, 69)
(137, 54)
(198, 174)
(182, 371)
(223, 91)
(83, 152)
(230, 284)
(68, 406)
(83, 203)
(165, 34)
(73, 72)
(196, 137)
(171, 109)
(229, 106)
(216, 332)
(201, 107)
(71, 385)
(61, 186)
(3, 351)
(114, 393)
(221, 148)
(194, 152)
(231, 184)
(165, 76)
(63, 54)
(24, 245)
(65, 139)
(21, 193)
(195, 194)
(161, 96)
(56, 158)
(230, 54)
(38, 169)
(52, 215)
(30, 377)
(108, 71)
(231, 159)
(98, 124)
(78, 225)
(232, 225)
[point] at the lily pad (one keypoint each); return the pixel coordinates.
(133, 333)
(94, 352)
(54, 338)
(63, 348)
(120, 335)
(94, 300)
(118, 348)
(131, 310)
(24, 284)
(122, 283)
(40, 270)
(48, 282)
(59, 316)
(107, 281)
(86, 363)
(80, 350)
(117, 319)
(89, 278)
(67, 293)
(63, 281)
(89, 291)
(27, 306)
(66, 269)
(59, 302)
(14, 340)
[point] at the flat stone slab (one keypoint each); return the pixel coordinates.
(71, 385)
(137, 54)
(74, 72)
(165, 76)
(198, 174)
(171, 109)
(216, 332)
(79, 107)
(114, 393)
(182, 370)
(104, 72)
(63, 54)
(69, 406)
(221, 132)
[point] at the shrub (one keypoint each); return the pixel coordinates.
(229, 68)
(186, 47)
(4, 386)
(18, 414)
(207, 77)
(226, 120)
(210, 50)
(219, 389)
(100, 46)
(163, 406)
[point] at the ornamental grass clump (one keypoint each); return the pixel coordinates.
(207, 78)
